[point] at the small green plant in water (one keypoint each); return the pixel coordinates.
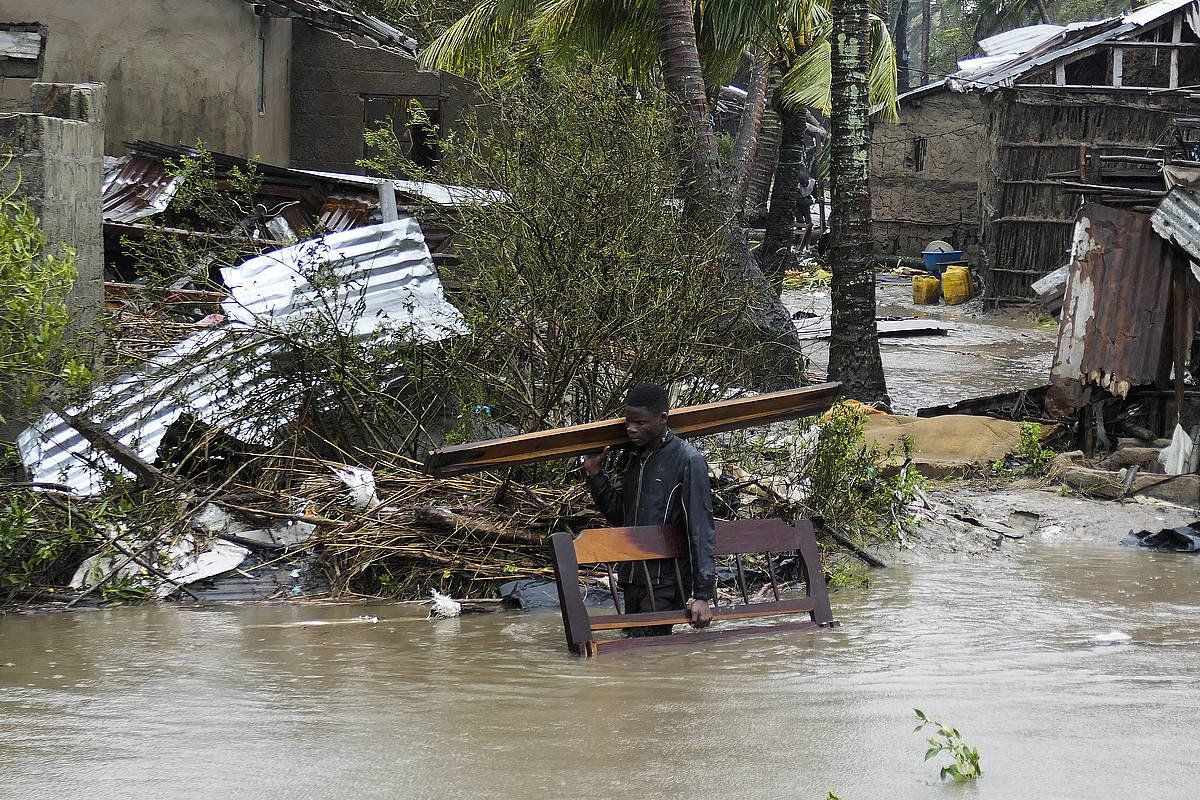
(949, 741)
(846, 574)
(1037, 456)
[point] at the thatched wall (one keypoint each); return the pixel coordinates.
(1027, 219)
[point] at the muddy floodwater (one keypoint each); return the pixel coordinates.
(983, 354)
(1072, 667)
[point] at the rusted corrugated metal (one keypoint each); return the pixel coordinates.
(1177, 219)
(137, 188)
(1115, 309)
(141, 186)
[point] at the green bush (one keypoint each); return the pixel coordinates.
(578, 277)
(35, 282)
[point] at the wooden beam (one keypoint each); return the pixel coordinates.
(591, 437)
(1176, 35)
(1118, 65)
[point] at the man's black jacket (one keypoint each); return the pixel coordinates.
(670, 486)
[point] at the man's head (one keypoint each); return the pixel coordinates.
(646, 408)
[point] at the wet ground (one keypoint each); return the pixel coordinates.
(983, 354)
(1072, 667)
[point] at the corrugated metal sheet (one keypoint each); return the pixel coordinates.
(1115, 308)
(339, 19)
(1018, 40)
(385, 272)
(198, 376)
(1071, 40)
(1177, 219)
(224, 374)
(138, 187)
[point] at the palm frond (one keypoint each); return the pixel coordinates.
(476, 42)
(884, 97)
(809, 81)
(621, 32)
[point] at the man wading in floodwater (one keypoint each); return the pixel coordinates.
(663, 481)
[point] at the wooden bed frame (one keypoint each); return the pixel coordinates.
(642, 544)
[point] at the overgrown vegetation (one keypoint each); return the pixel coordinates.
(35, 283)
(964, 765)
(578, 277)
(219, 205)
(823, 468)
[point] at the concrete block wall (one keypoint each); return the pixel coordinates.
(55, 149)
(329, 78)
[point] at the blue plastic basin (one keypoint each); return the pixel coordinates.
(934, 262)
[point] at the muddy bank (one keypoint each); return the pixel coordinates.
(980, 523)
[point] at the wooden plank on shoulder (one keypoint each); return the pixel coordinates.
(689, 421)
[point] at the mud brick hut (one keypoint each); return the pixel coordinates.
(972, 159)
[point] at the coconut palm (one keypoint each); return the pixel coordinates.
(854, 356)
(690, 50)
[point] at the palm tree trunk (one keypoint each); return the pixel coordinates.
(759, 188)
(854, 357)
(791, 171)
(900, 37)
(926, 21)
(745, 147)
(1042, 11)
(685, 83)
(707, 204)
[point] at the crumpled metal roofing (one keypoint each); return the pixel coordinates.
(138, 187)
(223, 374)
(340, 19)
(442, 194)
(1177, 219)
(1115, 308)
(1072, 39)
(385, 272)
(1018, 40)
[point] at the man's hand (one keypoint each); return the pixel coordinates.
(700, 613)
(595, 462)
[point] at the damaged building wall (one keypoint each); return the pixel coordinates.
(925, 174)
(176, 70)
(57, 149)
(1027, 219)
(337, 88)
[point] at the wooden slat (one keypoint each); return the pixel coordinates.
(689, 421)
(609, 622)
(618, 645)
(754, 536)
(599, 545)
(647, 542)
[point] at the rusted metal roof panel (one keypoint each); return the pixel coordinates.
(138, 187)
(1177, 219)
(1115, 308)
